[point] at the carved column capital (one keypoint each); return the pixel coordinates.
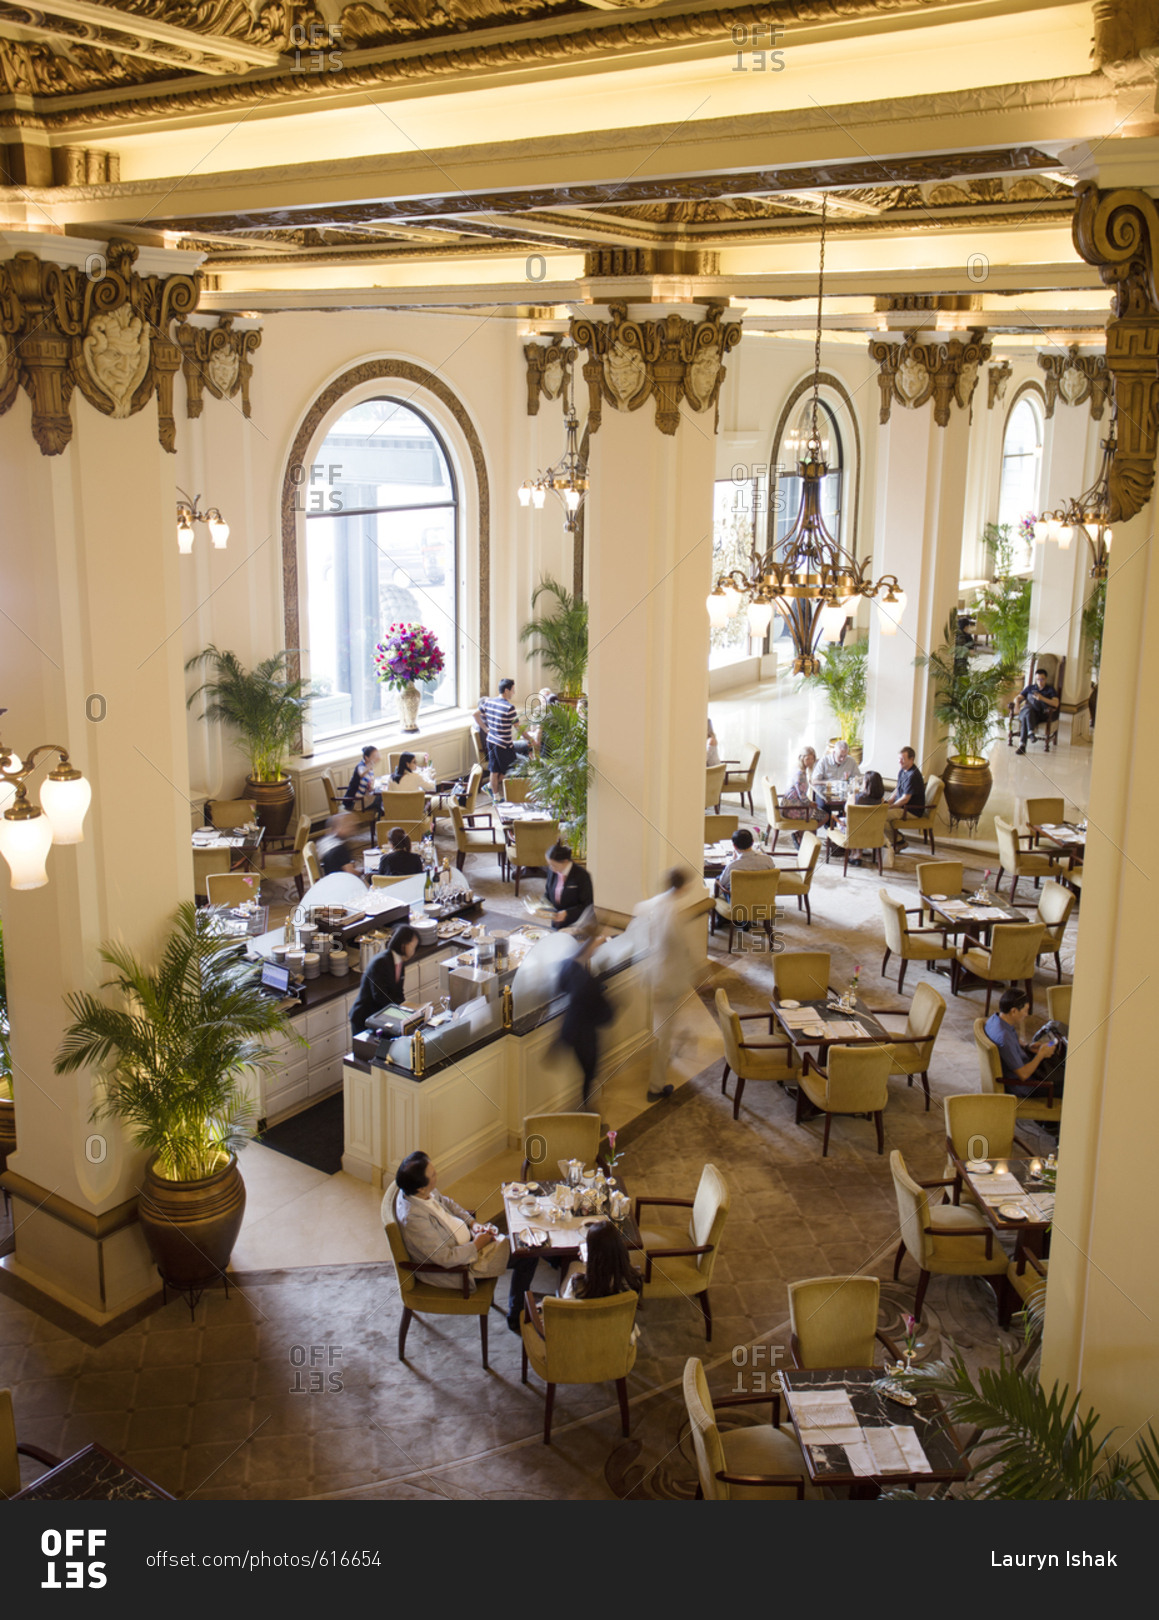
(216, 358)
(1076, 379)
(670, 360)
(997, 380)
(911, 373)
(1118, 231)
(548, 365)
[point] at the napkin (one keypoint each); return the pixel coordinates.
(896, 1450)
(828, 1410)
(997, 1187)
(843, 1029)
(799, 1017)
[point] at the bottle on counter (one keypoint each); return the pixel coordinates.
(446, 881)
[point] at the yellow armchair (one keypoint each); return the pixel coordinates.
(547, 1138)
(978, 1126)
(928, 820)
(913, 1051)
(1041, 1105)
(1021, 862)
(798, 880)
(714, 786)
(750, 1060)
(1011, 956)
(679, 1261)
(854, 1080)
(757, 1463)
(11, 1450)
(910, 944)
(943, 1239)
(833, 1322)
(752, 900)
(1055, 905)
(1058, 1002)
(946, 878)
(864, 829)
(741, 780)
(778, 822)
(405, 810)
(421, 1298)
(718, 828)
(477, 835)
(531, 841)
(1025, 1281)
(801, 976)
(440, 804)
(580, 1341)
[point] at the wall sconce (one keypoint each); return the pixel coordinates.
(188, 515)
(27, 831)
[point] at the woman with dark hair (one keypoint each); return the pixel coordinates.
(407, 778)
(400, 859)
(872, 792)
(361, 784)
(608, 1269)
(382, 983)
(569, 887)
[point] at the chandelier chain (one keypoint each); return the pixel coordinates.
(820, 297)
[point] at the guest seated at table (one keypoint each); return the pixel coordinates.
(437, 1229)
(1037, 703)
(713, 757)
(335, 851)
(909, 796)
(795, 802)
(604, 1269)
(831, 777)
(382, 983)
(361, 785)
(400, 859)
(407, 778)
(1020, 1062)
(872, 792)
(569, 888)
(746, 859)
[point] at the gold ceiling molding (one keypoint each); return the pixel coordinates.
(997, 381)
(1118, 231)
(912, 373)
(670, 359)
(1076, 379)
(547, 370)
(217, 358)
(104, 331)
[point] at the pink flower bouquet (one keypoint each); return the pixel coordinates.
(409, 653)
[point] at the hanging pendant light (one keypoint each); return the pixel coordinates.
(568, 478)
(1089, 514)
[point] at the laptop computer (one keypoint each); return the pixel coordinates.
(275, 980)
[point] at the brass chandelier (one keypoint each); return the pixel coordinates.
(807, 576)
(568, 478)
(1089, 514)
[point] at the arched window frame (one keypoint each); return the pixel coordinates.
(1031, 395)
(428, 396)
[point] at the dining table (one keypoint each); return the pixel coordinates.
(93, 1475)
(812, 1026)
(961, 913)
(1013, 1196)
(853, 1434)
(550, 1231)
(1069, 837)
(717, 856)
(243, 843)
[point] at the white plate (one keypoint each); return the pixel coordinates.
(937, 897)
(790, 1004)
(814, 1031)
(1012, 1212)
(979, 1167)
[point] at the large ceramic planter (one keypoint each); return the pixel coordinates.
(275, 802)
(409, 699)
(192, 1226)
(967, 782)
(7, 1131)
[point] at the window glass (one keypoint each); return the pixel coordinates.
(1021, 472)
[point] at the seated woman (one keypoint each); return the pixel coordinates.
(361, 784)
(400, 860)
(872, 792)
(797, 799)
(569, 887)
(607, 1270)
(407, 778)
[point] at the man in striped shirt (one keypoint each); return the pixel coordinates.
(496, 716)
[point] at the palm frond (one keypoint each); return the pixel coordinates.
(562, 644)
(263, 705)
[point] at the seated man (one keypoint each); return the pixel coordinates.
(909, 796)
(1038, 702)
(437, 1229)
(832, 775)
(746, 859)
(1006, 1028)
(335, 852)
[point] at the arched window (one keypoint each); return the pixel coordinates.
(381, 547)
(787, 499)
(1021, 472)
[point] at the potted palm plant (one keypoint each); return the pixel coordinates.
(266, 707)
(561, 637)
(969, 698)
(172, 1059)
(559, 774)
(843, 676)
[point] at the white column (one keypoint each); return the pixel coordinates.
(917, 535)
(91, 659)
(1062, 579)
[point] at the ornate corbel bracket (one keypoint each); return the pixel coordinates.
(1076, 379)
(216, 358)
(548, 367)
(911, 373)
(670, 360)
(997, 380)
(1118, 232)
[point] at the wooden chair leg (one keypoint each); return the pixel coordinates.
(625, 1415)
(776, 835)
(926, 1087)
(901, 975)
(403, 1328)
(523, 1369)
(825, 1138)
(548, 1404)
(898, 1258)
(724, 1081)
(989, 993)
(736, 1099)
(881, 860)
(1058, 966)
(460, 858)
(483, 1336)
(998, 880)
(845, 863)
(923, 1284)
(885, 960)
(1030, 992)
(877, 1120)
(731, 933)
(706, 1312)
(301, 883)
(808, 912)
(933, 846)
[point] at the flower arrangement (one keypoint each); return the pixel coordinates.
(611, 1157)
(1026, 527)
(409, 653)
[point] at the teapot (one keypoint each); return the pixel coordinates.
(575, 1172)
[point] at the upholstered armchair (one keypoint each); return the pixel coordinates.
(750, 1060)
(798, 880)
(946, 878)
(833, 1322)
(547, 1138)
(1058, 1002)
(943, 1240)
(580, 1341)
(405, 810)
(440, 804)
(778, 821)
(910, 944)
(1021, 862)
(516, 789)
(1040, 812)
(311, 862)
(293, 865)
(758, 1463)
(225, 813)
(1055, 905)
(752, 900)
(718, 828)
(853, 1080)
(912, 1052)
(740, 781)
(801, 976)
(1010, 957)
(477, 835)
(11, 1450)
(928, 820)
(714, 786)
(679, 1260)
(864, 829)
(232, 888)
(527, 852)
(421, 1298)
(335, 805)
(1042, 1105)
(1025, 1280)
(208, 863)
(978, 1126)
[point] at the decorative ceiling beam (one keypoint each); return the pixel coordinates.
(105, 28)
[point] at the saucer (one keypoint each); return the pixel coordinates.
(979, 1167)
(790, 1004)
(1012, 1212)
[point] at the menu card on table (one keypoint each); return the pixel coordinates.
(799, 1017)
(997, 1187)
(825, 1418)
(843, 1029)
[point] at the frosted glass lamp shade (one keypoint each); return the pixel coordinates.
(218, 532)
(65, 804)
(717, 604)
(25, 844)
